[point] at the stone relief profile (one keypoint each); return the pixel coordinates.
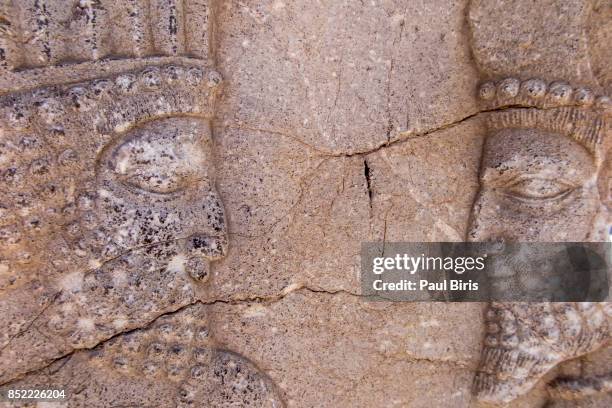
(537, 184)
(548, 138)
(110, 214)
(122, 169)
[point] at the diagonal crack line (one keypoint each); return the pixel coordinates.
(74, 351)
(270, 299)
(277, 132)
(409, 135)
(27, 327)
(402, 136)
(415, 134)
(232, 301)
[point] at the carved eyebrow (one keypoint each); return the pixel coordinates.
(117, 103)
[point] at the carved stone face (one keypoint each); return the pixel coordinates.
(536, 185)
(156, 187)
(110, 212)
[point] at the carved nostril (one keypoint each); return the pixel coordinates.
(198, 268)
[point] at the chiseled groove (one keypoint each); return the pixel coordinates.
(9, 55)
(197, 22)
(42, 51)
(94, 29)
(167, 26)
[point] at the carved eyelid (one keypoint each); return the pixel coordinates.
(162, 157)
(534, 188)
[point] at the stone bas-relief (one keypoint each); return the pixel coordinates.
(110, 208)
(110, 213)
(539, 173)
(540, 181)
(162, 251)
(113, 218)
(173, 362)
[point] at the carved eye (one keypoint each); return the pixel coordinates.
(537, 189)
(151, 166)
(163, 156)
(156, 183)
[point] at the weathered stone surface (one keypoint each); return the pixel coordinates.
(359, 353)
(345, 76)
(185, 187)
(548, 138)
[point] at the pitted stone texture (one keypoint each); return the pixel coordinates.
(111, 211)
(175, 362)
(508, 38)
(359, 353)
(345, 76)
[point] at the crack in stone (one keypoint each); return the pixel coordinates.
(270, 299)
(275, 298)
(71, 353)
(282, 133)
(304, 185)
(245, 300)
(29, 325)
(414, 134)
(233, 301)
(366, 171)
(402, 136)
